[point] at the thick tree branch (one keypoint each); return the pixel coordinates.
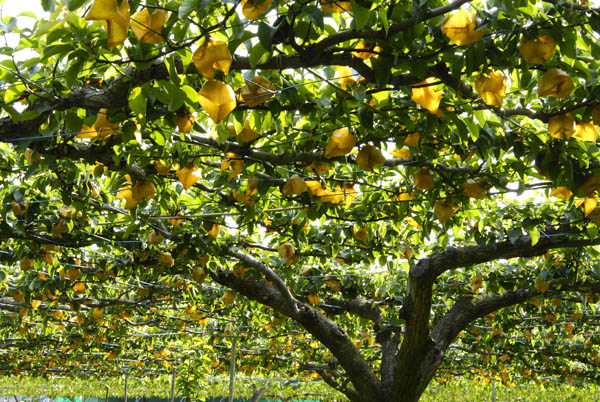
(453, 258)
(326, 331)
(270, 275)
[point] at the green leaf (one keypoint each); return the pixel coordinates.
(315, 14)
(190, 93)
(265, 35)
(256, 54)
(49, 5)
(361, 14)
(137, 102)
(73, 71)
(186, 7)
(73, 5)
(534, 233)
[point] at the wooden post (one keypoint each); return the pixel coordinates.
(106, 397)
(125, 387)
(493, 391)
(173, 385)
(231, 371)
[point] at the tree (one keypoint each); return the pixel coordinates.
(399, 190)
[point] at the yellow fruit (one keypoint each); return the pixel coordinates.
(460, 28)
(217, 100)
(257, 91)
(491, 87)
(368, 157)
(555, 83)
(286, 250)
(147, 27)
(252, 11)
(115, 18)
(423, 94)
(340, 143)
(213, 54)
(166, 260)
(537, 50)
(423, 180)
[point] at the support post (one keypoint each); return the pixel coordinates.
(493, 391)
(126, 387)
(231, 370)
(173, 385)
(106, 395)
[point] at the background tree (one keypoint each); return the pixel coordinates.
(375, 192)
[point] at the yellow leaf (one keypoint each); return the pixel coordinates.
(79, 287)
(335, 6)
(147, 27)
(586, 132)
(252, 11)
(491, 87)
(127, 195)
(562, 192)
(189, 175)
(412, 139)
(294, 185)
(234, 163)
(460, 28)
(257, 91)
(35, 304)
(537, 50)
(402, 153)
(217, 100)
(474, 188)
(555, 83)
(562, 126)
(318, 167)
(340, 143)
(423, 180)
(143, 189)
(115, 18)
(213, 54)
(184, 122)
(426, 96)
(314, 300)
(368, 157)
(165, 259)
(214, 231)
(444, 209)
